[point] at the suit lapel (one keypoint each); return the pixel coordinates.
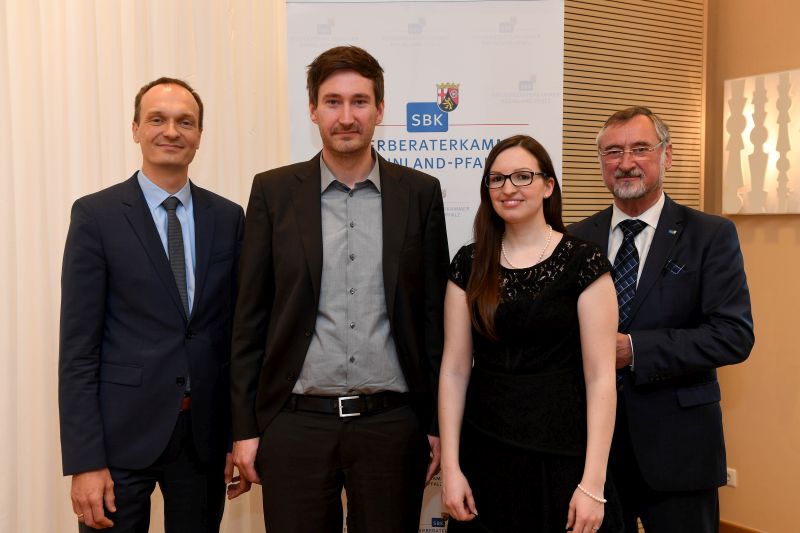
(394, 202)
(598, 232)
(203, 239)
(307, 207)
(138, 214)
(668, 231)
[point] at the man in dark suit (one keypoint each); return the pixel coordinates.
(148, 291)
(684, 311)
(338, 327)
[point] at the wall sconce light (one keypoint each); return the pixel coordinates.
(761, 144)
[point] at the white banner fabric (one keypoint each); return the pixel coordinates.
(502, 62)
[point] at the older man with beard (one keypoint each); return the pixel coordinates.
(684, 311)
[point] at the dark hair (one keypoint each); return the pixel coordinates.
(625, 115)
(344, 58)
(483, 288)
(137, 103)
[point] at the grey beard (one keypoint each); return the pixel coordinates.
(634, 190)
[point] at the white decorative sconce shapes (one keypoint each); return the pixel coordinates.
(761, 140)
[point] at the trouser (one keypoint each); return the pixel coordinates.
(306, 459)
(193, 490)
(660, 511)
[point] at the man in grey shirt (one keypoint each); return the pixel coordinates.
(338, 327)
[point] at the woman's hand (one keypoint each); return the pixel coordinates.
(457, 496)
(585, 513)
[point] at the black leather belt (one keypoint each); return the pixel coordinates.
(346, 406)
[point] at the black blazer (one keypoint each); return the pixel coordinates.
(281, 271)
(691, 315)
(126, 346)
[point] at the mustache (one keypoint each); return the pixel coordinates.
(355, 128)
(632, 173)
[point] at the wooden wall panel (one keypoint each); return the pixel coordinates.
(632, 52)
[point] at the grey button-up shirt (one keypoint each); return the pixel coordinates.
(352, 349)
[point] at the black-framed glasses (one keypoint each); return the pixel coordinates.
(521, 178)
(638, 152)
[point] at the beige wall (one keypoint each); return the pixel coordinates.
(761, 398)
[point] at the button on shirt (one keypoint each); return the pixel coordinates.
(154, 196)
(352, 349)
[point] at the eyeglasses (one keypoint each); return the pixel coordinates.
(637, 152)
(521, 178)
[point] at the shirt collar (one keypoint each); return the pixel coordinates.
(155, 195)
(649, 217)
(327, 177)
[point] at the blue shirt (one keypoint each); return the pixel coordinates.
(154, 196)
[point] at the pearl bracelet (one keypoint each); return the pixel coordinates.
(592, 496)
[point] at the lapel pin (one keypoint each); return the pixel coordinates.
(672, 231)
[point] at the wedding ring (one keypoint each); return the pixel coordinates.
(80, 516)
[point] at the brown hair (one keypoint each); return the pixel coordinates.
(137, 103)
(483, 288)
(344, 58)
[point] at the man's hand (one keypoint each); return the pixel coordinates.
(90, 492)
(237, 485)
(436, 455)
(624, 352)
(244, 457)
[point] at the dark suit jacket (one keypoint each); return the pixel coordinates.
(691, 315)
(126, 346)
(281, 271)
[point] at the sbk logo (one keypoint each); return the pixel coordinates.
(425, 117)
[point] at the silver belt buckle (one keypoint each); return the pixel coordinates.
(345, 415)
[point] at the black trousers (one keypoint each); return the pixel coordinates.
(305, 459)
(660, 512)
(194, 491)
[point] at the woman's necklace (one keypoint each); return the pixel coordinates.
(541, 255)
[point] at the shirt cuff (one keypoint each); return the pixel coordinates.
(633, 358)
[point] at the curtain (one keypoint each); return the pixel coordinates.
(70, 70)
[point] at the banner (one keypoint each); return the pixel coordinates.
(460, 76)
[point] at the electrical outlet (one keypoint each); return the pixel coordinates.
(731, 482)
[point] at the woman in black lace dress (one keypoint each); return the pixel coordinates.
(526, 431)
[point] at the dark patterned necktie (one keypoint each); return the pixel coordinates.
(177, 259)
(626, 266)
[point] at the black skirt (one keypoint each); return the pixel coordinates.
(517, 490)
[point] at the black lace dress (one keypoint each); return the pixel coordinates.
(523, 438)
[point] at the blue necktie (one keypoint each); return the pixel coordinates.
(626, 266)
